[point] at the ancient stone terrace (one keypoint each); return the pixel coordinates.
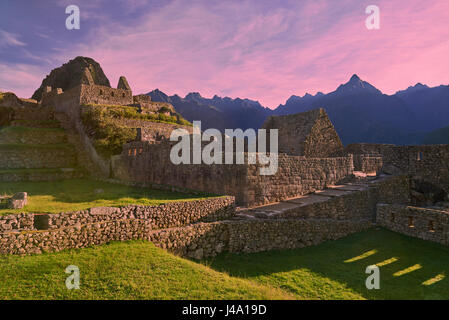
(354, 199)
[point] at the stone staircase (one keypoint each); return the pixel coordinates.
(348, 200)
(34, 153)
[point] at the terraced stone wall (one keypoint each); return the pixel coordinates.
(423, 223)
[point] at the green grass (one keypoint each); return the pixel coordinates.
(409, 268)
(128, 270)
(79, 194)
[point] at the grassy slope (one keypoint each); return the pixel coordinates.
(333, 270)
(79, 194)
(131, 270)
(412, 268)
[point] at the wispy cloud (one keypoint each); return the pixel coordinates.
(264, 50)
(8, 39)
(21, 79)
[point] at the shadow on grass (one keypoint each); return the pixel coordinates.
(409, 268)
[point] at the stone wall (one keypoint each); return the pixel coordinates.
(197, 240)
(355, 202)
(309, 134)
(209, 239)
(40, 175)
(423, 223)
(150, 163)
(96, 94)
(20, 221)
(296, 175)
(429, 163)
(155, 131)
(200, 228)
(169, 215)
(368, 163)
(36, 157)
(30, 136)
(36, 233)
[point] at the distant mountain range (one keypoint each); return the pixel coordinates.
(219, 113)
(360, 112)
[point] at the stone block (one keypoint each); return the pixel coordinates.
(18, 201)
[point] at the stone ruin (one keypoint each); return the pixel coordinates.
(321, 191)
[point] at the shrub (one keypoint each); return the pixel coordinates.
(108, 136)
(126, 112)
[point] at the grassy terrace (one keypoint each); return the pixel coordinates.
(409, 269)
(127, 270)
(79, 194)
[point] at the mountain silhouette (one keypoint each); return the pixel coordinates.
(359, 111)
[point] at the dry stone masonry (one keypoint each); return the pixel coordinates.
(321, 191)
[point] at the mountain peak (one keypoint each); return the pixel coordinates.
(193, 96)
(417, 87)
(355, 78)
(356, 85)
(72, 74)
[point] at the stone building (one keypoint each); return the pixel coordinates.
(310, 134)
(302, 168)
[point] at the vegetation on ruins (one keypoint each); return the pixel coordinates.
(103, 124)
(80, 194)
(332, 270)
(127, 112)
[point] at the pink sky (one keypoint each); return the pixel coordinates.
(261, 51)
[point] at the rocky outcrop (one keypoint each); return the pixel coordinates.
(73, 73)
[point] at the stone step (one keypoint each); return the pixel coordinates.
(23, 156)
(17, 175)
(28, 135)
(74, 138)
(36, 123)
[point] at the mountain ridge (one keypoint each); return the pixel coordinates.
(360, 112)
